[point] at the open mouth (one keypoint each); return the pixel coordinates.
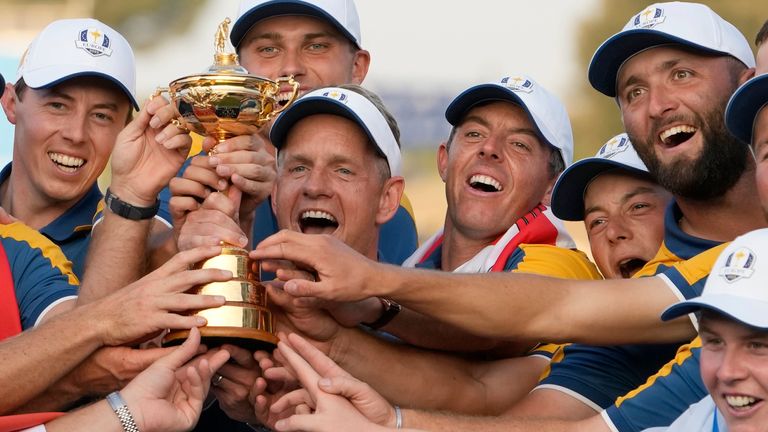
(317, 222)
(284, 97)
(740, 402)
(677, 135)
(628, 267)
(66, 163)
(485, 183)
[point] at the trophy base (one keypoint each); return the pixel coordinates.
(212, 337)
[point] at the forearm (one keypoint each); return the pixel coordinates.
(35, 359)
(448, 422)
(410, 374)
(98, 416)
(117, 244)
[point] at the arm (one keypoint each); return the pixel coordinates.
(597, 312)
(147, 154)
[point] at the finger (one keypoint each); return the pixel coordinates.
(298, 422)
(275, 265)
(181, 205)
(184, 280)
(186, 302)
(307, 376)
(204, 174)
(291, 400)
(185, 187)
(241, 356)
(173, 137)
(303, 409)
(222, 203)
(242, 142)
(183, 260)
(287, 274)
(316, 358)
(254, 188)
(162, 113)
(183, 353)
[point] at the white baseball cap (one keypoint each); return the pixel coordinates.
(745, 105)
(348, 104)
(738, 284)
(71, 48)
(545, 110)
(690, 24)
(341, 13)
(569, 190)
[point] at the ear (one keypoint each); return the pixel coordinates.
(360, 65)
(8, 100)
(547, 199)
(274, 194)
(746, 75)
(389, 201)
(442, 161)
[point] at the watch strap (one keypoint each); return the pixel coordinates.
(123, 413)
(390, 309)
(129, 211)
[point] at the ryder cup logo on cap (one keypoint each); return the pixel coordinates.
(570, 188)
(518, 84)
(738, 284)
(692, 25)
(342, 14)
(739, 264)
(72, 48)
(350, 105)
(548, 115)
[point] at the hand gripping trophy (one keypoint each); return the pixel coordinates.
(224, 102)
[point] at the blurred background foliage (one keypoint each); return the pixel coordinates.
(597, 118)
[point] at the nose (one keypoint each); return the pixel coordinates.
(491, 148)
(661, 101)
(75, 128)
(316, 184)
(292, 64)
(617, 230)
(732, 367)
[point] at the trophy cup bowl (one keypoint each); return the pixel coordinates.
(224, 102)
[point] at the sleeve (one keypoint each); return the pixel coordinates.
(548, 260)
(546, 350)
(663, 397)
(164, 212)
(597, 375)
(687, 278)
(42, 275)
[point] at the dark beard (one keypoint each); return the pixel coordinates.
(720, 165)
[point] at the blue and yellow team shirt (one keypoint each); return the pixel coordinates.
(72, 230)
(598, 375)
(397, 238)
(677, 385)
(541, 259)
(42, 275)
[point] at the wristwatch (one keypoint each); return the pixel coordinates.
(129, 211)
(123, 413)
(390, 309)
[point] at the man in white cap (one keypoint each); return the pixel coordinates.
(620, 204)
(671, 79)
(318, 42)
(510, 139)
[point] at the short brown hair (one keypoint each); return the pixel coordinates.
(762, 35)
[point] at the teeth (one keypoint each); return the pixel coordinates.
(676, 130)
(67, 161)
(317, 214)
(486, 180)
(282, 97)
(739, 401)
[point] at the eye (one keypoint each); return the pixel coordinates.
(57, 106)
(344, 171)
(640, 206)
(711, 342)
(634, 93)
(104, 117)
(268, 51)
(520, 145)
(596, 223)
(297, 169)
(317, 46)
(757, 345)
(681, 74)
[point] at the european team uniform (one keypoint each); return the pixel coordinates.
(36, 277)
(72, 230)
(598, 376)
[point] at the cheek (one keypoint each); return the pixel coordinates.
(709, 365)
(761, 176)
(601, 254)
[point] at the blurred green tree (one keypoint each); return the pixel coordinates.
(597, 118)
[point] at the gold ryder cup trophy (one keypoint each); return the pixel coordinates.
(224, 102)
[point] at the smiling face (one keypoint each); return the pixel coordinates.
(495, 170)
(672, 104)
(624, 218)
(63, 137)
(734, 368)
(330, 181)
(310, 49)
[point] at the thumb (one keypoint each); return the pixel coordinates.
(181, 355)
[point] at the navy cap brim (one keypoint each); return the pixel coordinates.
(752, 315)
(280, 8)
(608, 59)
(2, 85)
(120, 85)
(744, 106)
(308, 106)
(569, 190)
(485, 93)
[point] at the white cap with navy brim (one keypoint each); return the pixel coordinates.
(547, 113)
(745, 105)
(737, 286)
(690, 24)
(569, 190)
(72, 48)
(341, 13)
(348, 104)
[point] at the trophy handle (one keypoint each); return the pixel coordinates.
(295, 84)
(159, 91)
(178, 121)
